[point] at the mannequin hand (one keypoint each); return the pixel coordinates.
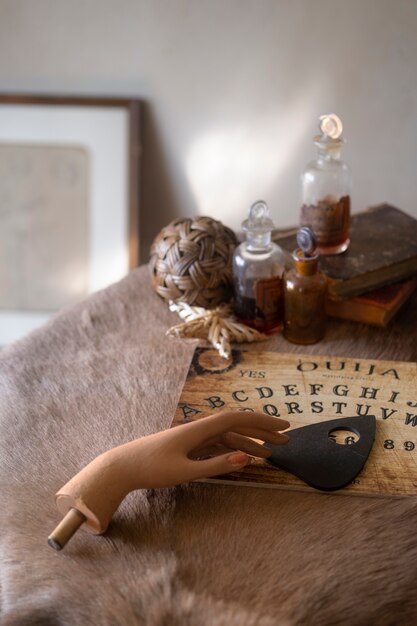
(162, 460)
(172, 454)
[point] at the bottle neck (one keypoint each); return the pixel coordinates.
(324, 154)
(328, 150)
(258, 241)
(305, 265)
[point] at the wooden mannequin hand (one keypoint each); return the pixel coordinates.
(165, 459)
(170, 456)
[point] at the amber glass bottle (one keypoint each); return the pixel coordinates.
(305, 291)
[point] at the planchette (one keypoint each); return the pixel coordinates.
(313, 456)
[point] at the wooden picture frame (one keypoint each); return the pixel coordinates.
(103, 136)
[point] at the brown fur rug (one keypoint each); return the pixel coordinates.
(102, 373)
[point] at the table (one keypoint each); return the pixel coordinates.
(101, 373)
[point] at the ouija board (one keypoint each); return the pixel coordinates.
(310, 389)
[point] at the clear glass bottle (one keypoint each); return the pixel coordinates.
(258, 268)
(305, 291)
(326, 190)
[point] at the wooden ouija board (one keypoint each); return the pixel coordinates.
(306, 390)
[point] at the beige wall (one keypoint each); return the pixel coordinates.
(233, 89)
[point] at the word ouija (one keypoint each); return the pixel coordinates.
(365, 369)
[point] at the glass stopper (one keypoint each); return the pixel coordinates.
(258, 220)
(306, 241)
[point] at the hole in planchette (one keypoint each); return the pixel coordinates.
(343, 436)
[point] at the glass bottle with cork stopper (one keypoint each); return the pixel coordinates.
(305, 291)
(258, 268)
(326, 189)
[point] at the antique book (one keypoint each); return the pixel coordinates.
(377, 307)
(383, 250)
(307, 389)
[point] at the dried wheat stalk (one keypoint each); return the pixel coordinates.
(217, 326)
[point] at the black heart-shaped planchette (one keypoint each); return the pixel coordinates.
(313, 456)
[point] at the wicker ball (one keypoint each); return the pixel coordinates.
(191, 261)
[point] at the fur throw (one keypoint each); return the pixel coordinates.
(102, 373)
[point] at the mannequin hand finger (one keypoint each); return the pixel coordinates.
(207, 443)
(263, 435)
(231, 462)
(245, 444)
(204, 452)
(235, 441)
(256, 419)
(231, 442)
(203, 429)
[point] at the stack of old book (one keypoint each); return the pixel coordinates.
(374, 278)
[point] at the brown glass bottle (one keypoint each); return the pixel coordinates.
(304, 300)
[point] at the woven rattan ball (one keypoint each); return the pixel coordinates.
(191, 261)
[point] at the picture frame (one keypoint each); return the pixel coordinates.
(69, 202)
